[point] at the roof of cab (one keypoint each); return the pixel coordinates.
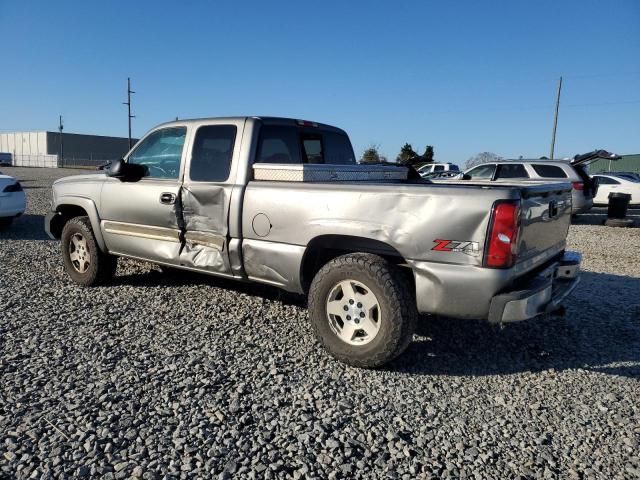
(263, 119)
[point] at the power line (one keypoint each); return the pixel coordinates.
(128, 104)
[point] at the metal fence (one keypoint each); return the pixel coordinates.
(41, 161)
(73, 162)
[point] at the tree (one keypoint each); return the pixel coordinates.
(406, 155)
(483, 157)
(371, 155)
(428, 154)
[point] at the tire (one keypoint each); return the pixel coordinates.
(355, 332)
(5, 222)
(83, 260)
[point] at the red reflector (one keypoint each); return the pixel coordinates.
(503, 235)
(577, 185)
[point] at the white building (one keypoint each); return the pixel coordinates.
(42, 149)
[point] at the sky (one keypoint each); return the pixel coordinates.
(463, 76)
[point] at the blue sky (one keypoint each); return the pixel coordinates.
(464, 76)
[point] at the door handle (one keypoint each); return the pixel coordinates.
(168, 198)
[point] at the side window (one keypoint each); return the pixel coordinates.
(549, 171)
(515, 170)
(438, 168)
(279, 145)
(160, 153)
(212, 152)
(607, 181)
(482, 172)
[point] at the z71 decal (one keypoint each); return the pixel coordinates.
(470, 248)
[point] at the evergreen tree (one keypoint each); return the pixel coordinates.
(428, 154)
(406, 154)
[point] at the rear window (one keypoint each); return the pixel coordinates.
(549, 171)
(454, 168)
(607, 181)
(515, 170)
(287, 144)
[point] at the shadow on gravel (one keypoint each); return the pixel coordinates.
(597, 216)
(157, 278)
(600, 332)
(25, 227)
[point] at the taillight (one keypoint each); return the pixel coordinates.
(578, 185)
(503, 235)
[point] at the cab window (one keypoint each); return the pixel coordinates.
(289, 144)
(160, 153)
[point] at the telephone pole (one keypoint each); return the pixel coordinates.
(61, 151)
(555, 120)
(128, 104)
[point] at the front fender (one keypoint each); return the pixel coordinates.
(54, 221)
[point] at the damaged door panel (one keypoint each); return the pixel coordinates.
(205, 197)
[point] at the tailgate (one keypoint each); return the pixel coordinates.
(545, 217)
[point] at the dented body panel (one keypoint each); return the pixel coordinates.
(265, 231)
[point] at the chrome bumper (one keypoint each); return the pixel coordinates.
(543, 294)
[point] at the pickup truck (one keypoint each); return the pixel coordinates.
(283, 202)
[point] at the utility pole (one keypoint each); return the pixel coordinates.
(555, 120)
(61, 151)
(128, 104)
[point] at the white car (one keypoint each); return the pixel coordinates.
(437, 168)
(616, 184)
(12, 200)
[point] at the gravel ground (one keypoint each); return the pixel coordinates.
(192, 377)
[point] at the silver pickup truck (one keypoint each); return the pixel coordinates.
(283, 202)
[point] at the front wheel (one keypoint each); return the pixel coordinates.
(84, 262)
(362, 310)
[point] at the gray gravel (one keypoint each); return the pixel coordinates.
(192, 377)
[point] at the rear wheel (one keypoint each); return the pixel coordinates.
(84, 262)
(362, 310)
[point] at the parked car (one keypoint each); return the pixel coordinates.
(610, 183)
(283, 202)
(432, 168)
(12, 200)
(583, 189)
(633, 176)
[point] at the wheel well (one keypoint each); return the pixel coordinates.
(325, 248)
(66, 213)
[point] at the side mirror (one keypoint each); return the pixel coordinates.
(466, 177)
(127, 172)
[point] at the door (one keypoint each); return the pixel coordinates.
(606, 185)
(206, 195)
(141, 219)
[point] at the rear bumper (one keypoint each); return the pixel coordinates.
(580, 204)
(542, 294)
